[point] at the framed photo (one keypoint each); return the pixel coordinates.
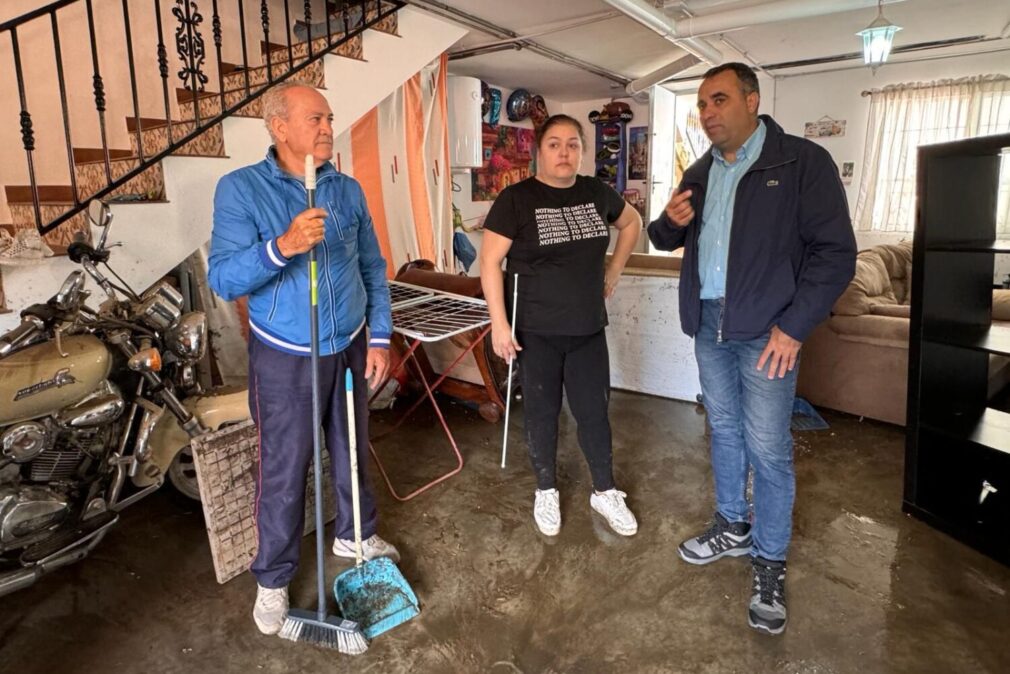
(825, 127)
(848, 169)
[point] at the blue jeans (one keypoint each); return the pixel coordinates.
(749, 416)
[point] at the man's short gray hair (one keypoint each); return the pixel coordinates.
(275, 102)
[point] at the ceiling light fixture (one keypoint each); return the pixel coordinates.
(877, 39)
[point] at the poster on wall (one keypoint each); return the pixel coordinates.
(825, 127)
(638, 156)
(508, 158)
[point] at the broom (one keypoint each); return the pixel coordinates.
(316, 627)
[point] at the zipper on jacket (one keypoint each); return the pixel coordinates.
(725, 294)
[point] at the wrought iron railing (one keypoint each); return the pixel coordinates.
(343, 21)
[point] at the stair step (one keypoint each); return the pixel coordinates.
(91, 178)
(55, 200)
(351, 49)
(154, 133)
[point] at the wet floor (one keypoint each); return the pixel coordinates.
(870, 589)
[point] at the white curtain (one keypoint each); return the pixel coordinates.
(905, 116)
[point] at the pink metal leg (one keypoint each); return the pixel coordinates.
(430, 395)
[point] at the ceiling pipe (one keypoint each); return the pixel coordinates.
(652, 18)
(646, 82)
(770, 12)
(445, 11)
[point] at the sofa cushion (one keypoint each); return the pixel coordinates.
(898, 260)
(1001, 305)
(878, 330)
(896, 310)
(870, 285)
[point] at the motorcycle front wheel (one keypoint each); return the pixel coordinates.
(182, 474)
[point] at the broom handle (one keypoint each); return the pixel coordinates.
(508, 386)
(317, 417)
(352, 444)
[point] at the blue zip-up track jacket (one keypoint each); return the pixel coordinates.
(253, 206)
(792, 250)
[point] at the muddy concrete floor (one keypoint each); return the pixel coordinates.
(870, 589)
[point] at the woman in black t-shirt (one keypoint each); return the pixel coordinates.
(554, 230)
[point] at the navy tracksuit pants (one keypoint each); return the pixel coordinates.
(280, 399)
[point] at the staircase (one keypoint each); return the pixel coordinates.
(163, 212)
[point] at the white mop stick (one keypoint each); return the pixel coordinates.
(508, 387)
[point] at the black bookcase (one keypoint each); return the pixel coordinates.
(957, 456)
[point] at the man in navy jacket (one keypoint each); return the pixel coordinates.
(768, 248)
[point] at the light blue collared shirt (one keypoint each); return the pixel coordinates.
(717, 218)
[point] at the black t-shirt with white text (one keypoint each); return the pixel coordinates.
(559, 243)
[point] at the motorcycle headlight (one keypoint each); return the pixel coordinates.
(23, 442)
(188, 337)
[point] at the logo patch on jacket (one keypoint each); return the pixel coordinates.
(772, 183)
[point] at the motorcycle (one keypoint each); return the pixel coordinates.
(83, 396)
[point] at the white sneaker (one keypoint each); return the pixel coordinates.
(547, 511)
(370, 548)
(271, 609)
(611, 505)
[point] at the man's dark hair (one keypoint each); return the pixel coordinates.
(744, 73)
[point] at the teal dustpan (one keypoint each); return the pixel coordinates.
(376, 596)
(373, 594)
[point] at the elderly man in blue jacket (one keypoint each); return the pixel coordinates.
(768, 248)
(262, 231)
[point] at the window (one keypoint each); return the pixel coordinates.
(905, 116)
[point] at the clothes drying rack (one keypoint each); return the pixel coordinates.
(424, 315)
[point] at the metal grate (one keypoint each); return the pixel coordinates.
(226, 465)
(401, 294)
(438, 316)
(55, 464)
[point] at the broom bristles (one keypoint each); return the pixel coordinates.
(344, 636)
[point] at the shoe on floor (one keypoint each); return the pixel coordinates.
(767, 612)
(371, 548)
(547, 511)
(722, 539)
(611, 505)
(271, 609)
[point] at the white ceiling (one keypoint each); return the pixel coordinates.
(623, 46)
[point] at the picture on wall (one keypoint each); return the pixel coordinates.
(638, 157)
(508, 158)
(825, 127)
(848, 168)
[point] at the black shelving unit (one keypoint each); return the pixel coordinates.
(957, 456)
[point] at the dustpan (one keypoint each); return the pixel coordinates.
(373, 594)
(376, 596)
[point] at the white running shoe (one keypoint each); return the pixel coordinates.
(611, 505)
(371, 548)
(547, 511)
(271, 609)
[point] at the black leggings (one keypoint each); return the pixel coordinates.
(582, 365)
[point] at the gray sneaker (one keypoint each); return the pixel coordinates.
(723, 539)
(767, 611)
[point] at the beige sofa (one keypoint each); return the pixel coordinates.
(857, 360)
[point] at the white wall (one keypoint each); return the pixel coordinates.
(796, 100)
(473, 212)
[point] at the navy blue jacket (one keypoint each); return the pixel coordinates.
(791, 249)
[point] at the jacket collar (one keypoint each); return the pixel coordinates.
(774, 152)
(324, 172)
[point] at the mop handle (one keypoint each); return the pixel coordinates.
(352, 444)
(317, 417)
(508, 386)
